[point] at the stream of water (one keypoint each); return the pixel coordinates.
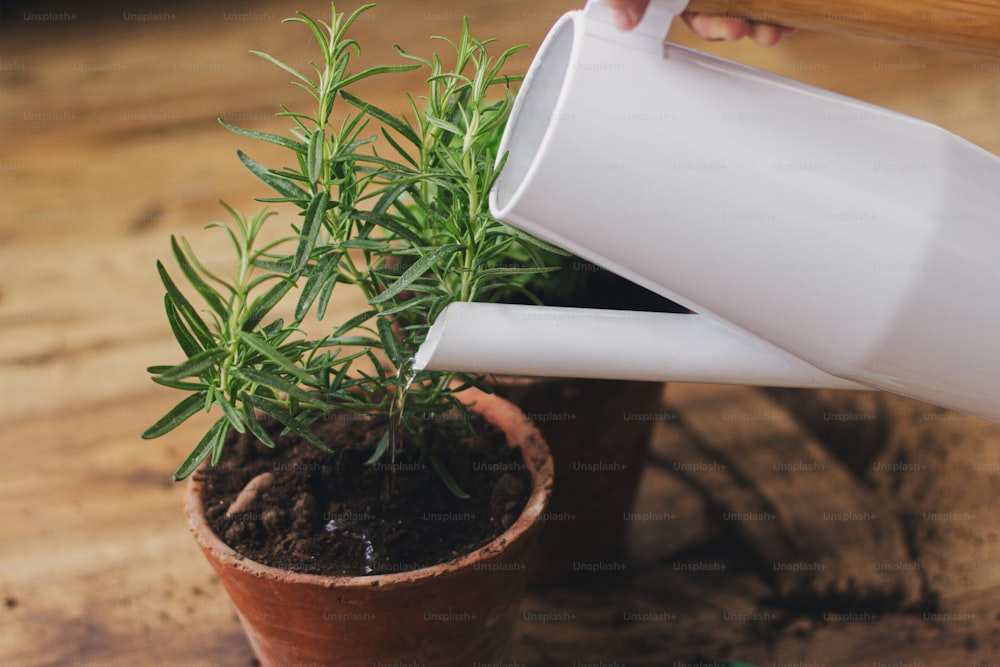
(405, 375)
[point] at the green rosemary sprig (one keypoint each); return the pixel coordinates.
(410, 228)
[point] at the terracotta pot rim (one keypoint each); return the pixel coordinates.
(536, 457)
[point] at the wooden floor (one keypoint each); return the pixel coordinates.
(109, 144)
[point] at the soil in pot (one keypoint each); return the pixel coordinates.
(333, 514)
(453, 614)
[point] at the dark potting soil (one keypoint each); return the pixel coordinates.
(333, 514)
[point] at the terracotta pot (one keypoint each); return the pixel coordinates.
(599, 433)
(456, 613)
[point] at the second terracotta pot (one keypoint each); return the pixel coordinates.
(599, 433)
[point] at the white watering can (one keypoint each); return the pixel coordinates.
(820, 241)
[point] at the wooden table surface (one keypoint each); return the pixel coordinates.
(109, 144)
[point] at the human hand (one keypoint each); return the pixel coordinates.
(713, 27)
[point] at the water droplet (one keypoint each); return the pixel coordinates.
(369, 554)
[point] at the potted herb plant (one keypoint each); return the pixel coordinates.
(358, 514)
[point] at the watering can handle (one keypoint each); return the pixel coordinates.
(647, 36)
(972, 26)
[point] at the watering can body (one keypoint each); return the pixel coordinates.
(828, 241)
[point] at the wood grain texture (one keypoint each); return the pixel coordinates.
(972, 26)
(109, 144)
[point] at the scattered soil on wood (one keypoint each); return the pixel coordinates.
(335, 514)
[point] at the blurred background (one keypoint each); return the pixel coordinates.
(110, 143)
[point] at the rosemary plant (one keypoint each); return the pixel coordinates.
(409, 227)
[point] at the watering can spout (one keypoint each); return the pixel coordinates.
(609, 344)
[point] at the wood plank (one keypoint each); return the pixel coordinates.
(961, 25)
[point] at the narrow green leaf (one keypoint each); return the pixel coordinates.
(271, 330)
(254, 426)
(391, 164)
(179, 384)
(321, 38)
(286, 364)
(200, 268)
(391, 224)
(279, 200)
(341, 376)
(325, 270)
(297, 146)
(399, 149)
(310, 229)
(383, 445)
(418, 269)
(347, 341)
(286, 419)
(285, 67)
(198, 363)
(469, 381)
(230, 414)
(315, 155)
(515, 270)
(280, 184)
(324, 297)
(390, 196)
(296, 116)
(266, 379)
(385, 117)
(265, 303)
(208, 443)
(240, 225)
(207, 292)
(445, 125)
(389, 342)
(197, 325)
(354, 322)
(409, 305)
(372, 71)
(277, 266)
(217, 448)
(528, 238)
(366, 244)
(260, 280)
(177, 416)
(350, 130)
(349, 21)
(448, 480)
(185, 339)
